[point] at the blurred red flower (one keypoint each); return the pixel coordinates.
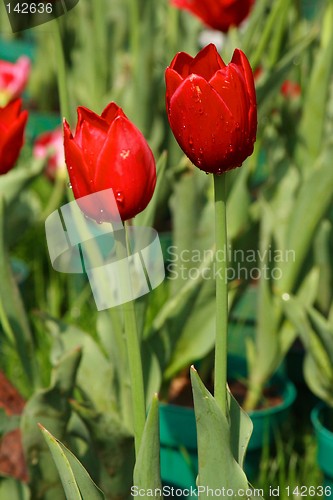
(12, 124)
(218, 14)
(290, 89)
(51, 145)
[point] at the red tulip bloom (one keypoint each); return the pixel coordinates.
(12, 124)
(108, 151)
(218, 14)
(212, 108)
(51, 145)
(291, 90)
(13, 79)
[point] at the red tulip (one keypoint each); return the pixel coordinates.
(13, 79)
(51, 145)
(12, 123)
(108, 151)
(291, 90)
(218, 14)
(212, 108)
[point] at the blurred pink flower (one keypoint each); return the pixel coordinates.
(13, 79)
(51, 145)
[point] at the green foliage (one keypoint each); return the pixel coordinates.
(76, 481)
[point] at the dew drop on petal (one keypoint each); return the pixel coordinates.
(119, 196)
(69, 185)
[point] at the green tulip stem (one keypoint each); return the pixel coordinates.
(220, 376)
(61, 70)
(132, 343)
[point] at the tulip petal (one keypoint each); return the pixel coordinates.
(181, 63)
(173, 80)
(12, 143)
(202, 123)
(207, 62)
(85, 115)
(111, 112)
(240, 59)
(79, 175)
(10, 112)
(230, 85)
(218, 14)
(126, 164)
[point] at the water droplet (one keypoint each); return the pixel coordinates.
(119, 196)
(231, 148)
(200, 111)
(101, 210)
(69, 185)
(190, 141)
(237, 126)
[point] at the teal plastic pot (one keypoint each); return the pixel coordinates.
(178, 437)
(12, 48)
(40, 122)
(179, 461)
(325, 445)
(311, 8)
(266, 421)
(266, 425)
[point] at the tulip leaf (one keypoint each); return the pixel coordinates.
(114, 445)
(313, 199)
(238, 204)
(147, 467)
(67, 337)
(192, 331)
(13, 318)
(147, 217)
(315, 103)
(16, 180)
(51, 408)
(217, 464)
(15, 490)
(75, 479)
(322, 255)
(318, 364)
(241, 428)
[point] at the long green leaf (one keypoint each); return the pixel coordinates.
(147, 468)
(13, 316)
(75, 479)
(217, 465)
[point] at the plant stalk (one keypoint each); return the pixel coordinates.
(220, 375)
(132, 342)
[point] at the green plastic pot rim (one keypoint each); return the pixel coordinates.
(175, 408)
(316, 422)
(289, 396)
